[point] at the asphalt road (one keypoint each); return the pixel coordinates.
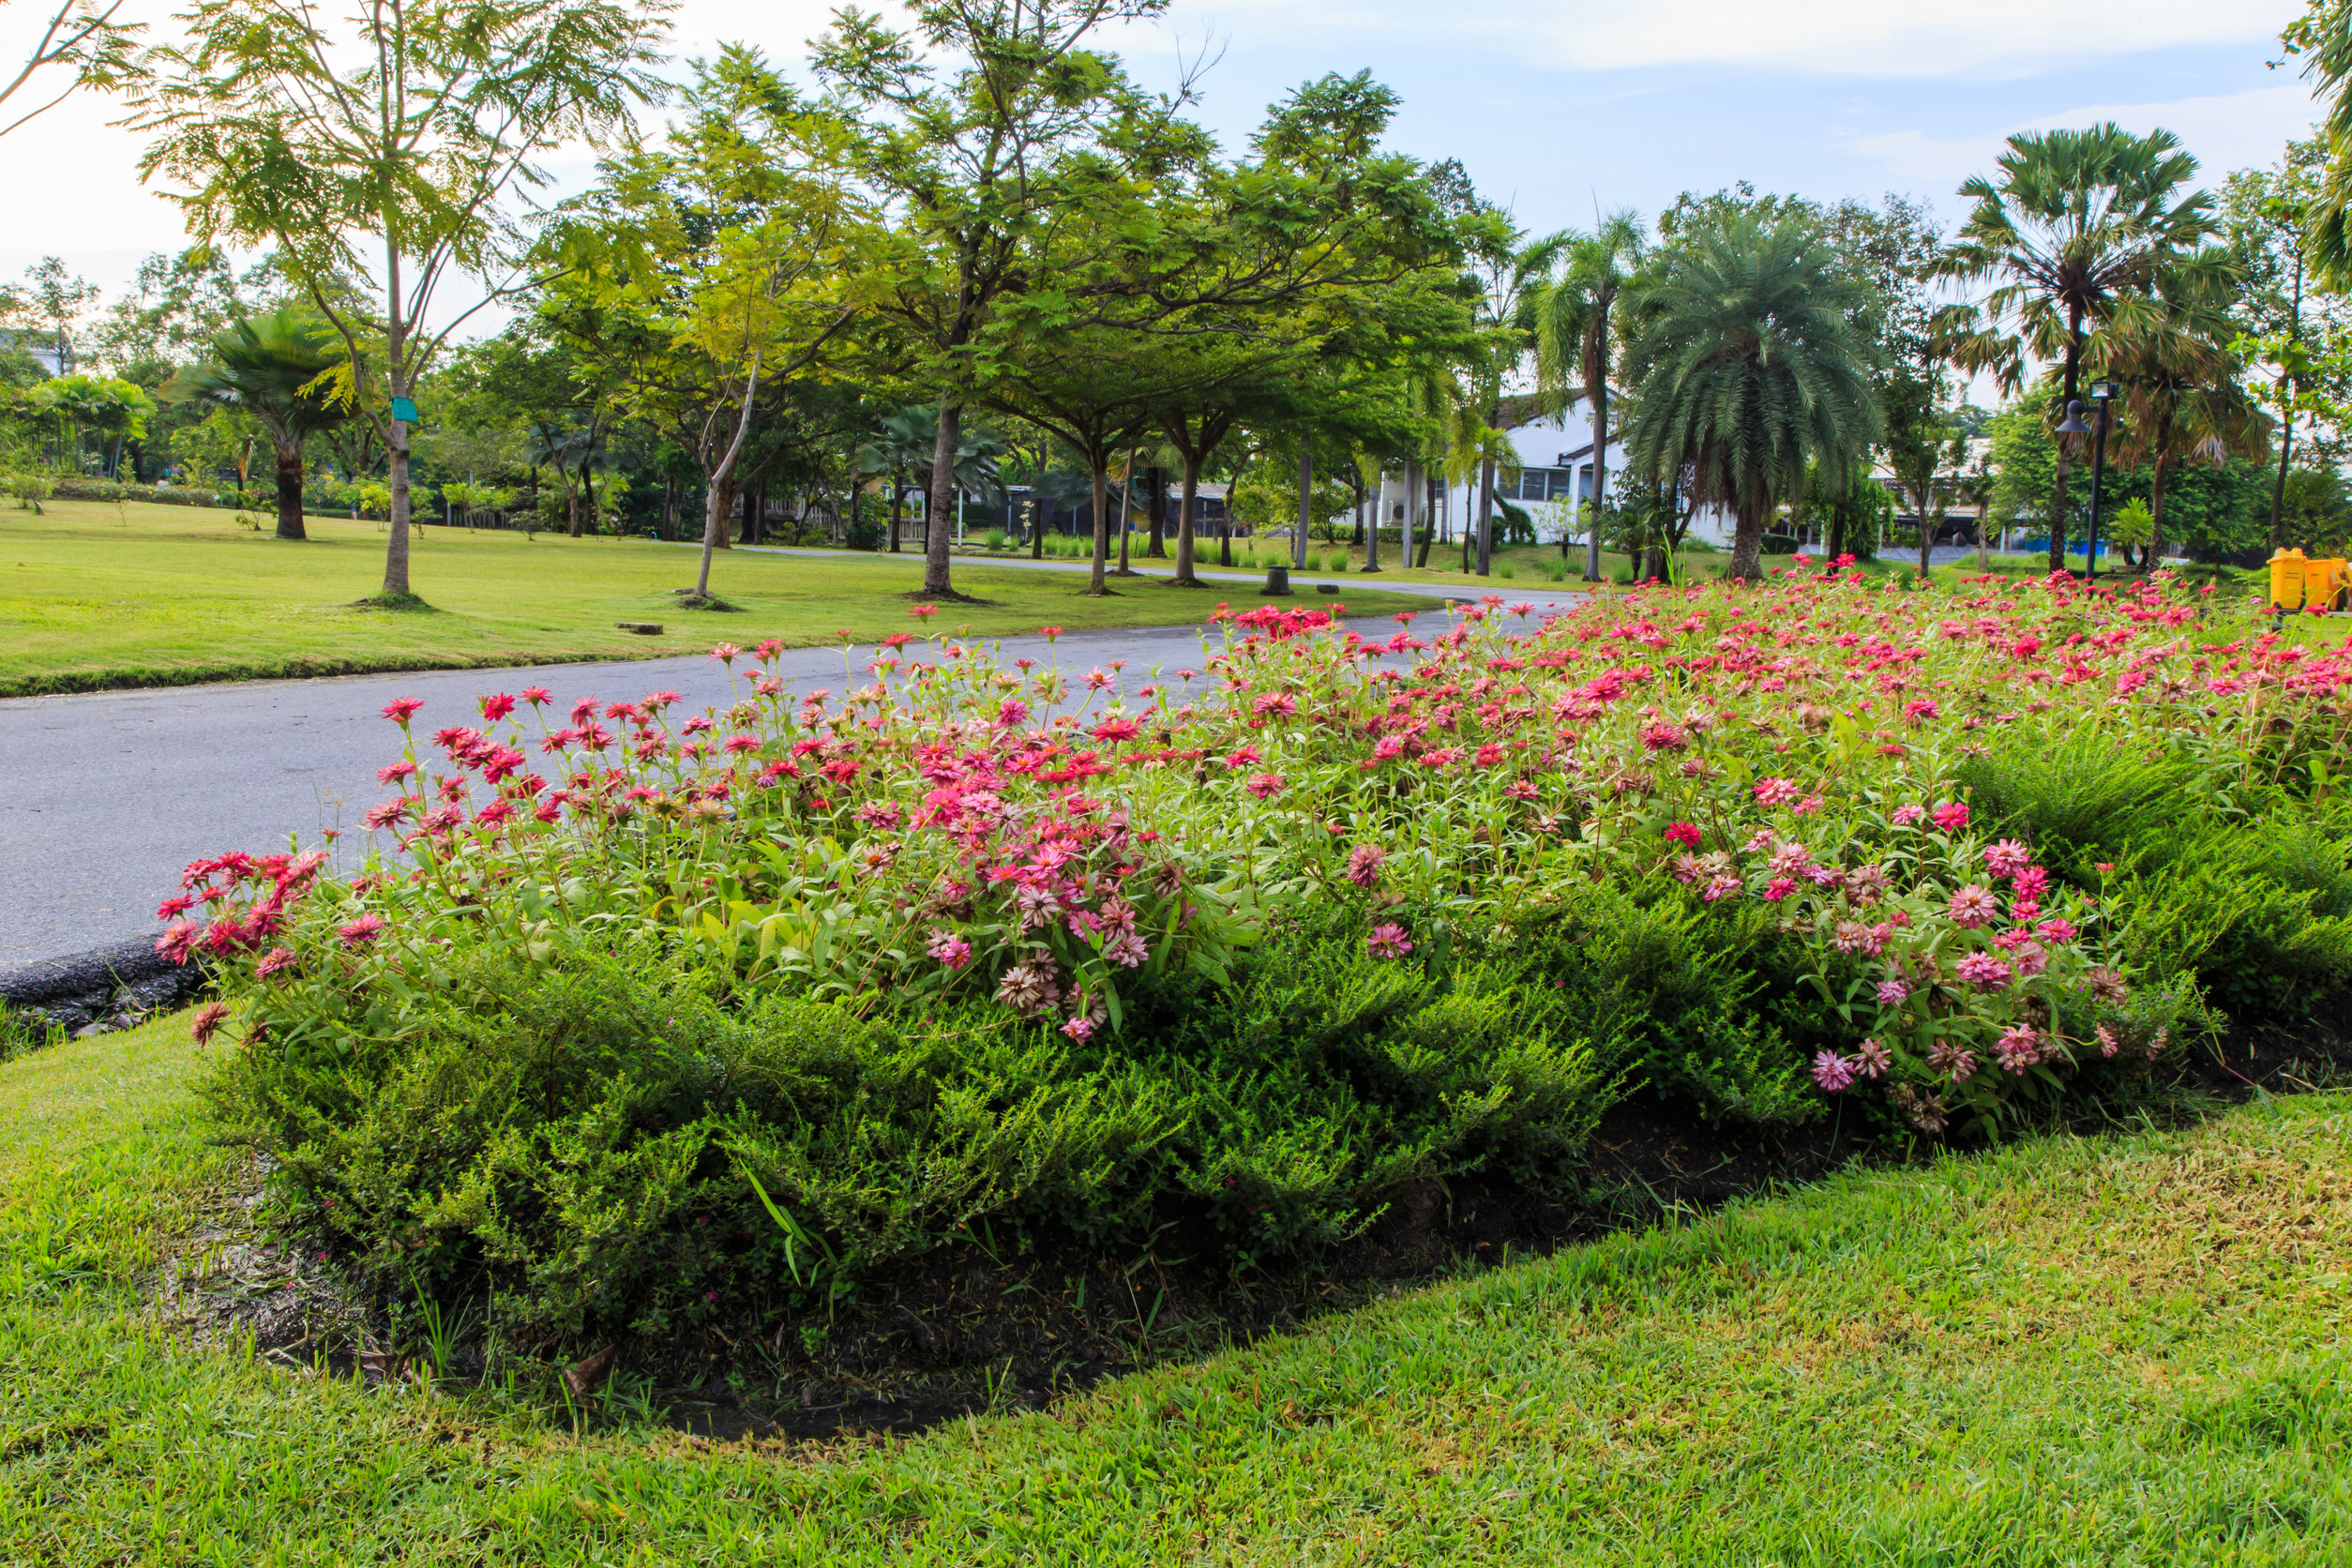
(105, 796)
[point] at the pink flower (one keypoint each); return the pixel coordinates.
(1389, 749)
(1893, 993)
(2019, 1047)
(1779, 888)
(1683, 833)
(924, 612)
(1950, 815)
(1080, 1028)
(2056, 930)
(496, 707)
(949, 948)
(1387, 940)
(1117, 730)
(2006, 859)
(1983, 970)
(1921, 710)
(399, 709)
(1720, 887)
(2030, 884)
(726, 653)
(1775, 792)
(1807, 806)
(1831, 1071)
(177, 943)
(1011, 715)
(1127, 950)
(741, 744)
(1974, 906)
(1363, 865)
(276, 961)
(392, 773)
(362, 930)
(1906, 815)
(207, 1022)
(1265, 784)
(537, 696)
(1870, 1059)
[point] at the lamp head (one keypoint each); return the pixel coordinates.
(2074, 425)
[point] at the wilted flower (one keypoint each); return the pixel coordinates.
(1954, 1061)
(207, 1022)
(1363, 865)
(2019, 1047)
(1870, 1059)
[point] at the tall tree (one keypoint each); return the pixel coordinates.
(382, 148)
(974, 158)
(1577, 340)
(280, 370)
(2074, 234)
(1747, 364)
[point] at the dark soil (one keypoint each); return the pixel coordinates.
(1000, 1322)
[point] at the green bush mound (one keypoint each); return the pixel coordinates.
(613, 1142)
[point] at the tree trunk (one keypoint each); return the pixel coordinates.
(939, 513)
(1430, 500)
(1416, 498)
(587, 496)
(1126, 497)
(1156, 487)
(2277, 487)
(1099, 465)
(897, 505)
(1306, 507)
(1486, 515)
(720, 497)
(1187, 504)
(396, 545)
(290, 492)
(1600, 483)
(1747, 544)
(2057, 513)
(1369, 537)
(2156, 511)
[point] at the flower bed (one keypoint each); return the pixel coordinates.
(1263, 939)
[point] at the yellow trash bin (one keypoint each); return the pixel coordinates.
(2287, 570)
(2327, 583)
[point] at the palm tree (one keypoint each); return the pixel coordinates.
(280, 368)
(902, 444)
(2078, 230)
(2183, 388)
(1513, 276)
(1746, 364)
(1573, 341)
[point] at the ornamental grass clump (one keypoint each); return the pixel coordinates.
(1794, 793)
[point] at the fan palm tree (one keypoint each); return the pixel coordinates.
(1514, 275)
(1746, 365)
(903, 444)
(2183, 391)
(278, 367)
(2075, 236)
(1574, 342)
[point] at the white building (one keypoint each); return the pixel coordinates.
(1555, 478)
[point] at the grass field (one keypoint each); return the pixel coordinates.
(2114, 1351)
(93, 596)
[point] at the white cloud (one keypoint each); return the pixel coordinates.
(2230, 130)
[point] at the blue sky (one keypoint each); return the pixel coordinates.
(1554, 108)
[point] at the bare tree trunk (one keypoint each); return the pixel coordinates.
(396, 547)
(939, 513)
(1370, 536)
(2058, 511)
(1306, 506)
(1432, 495)
(1600, 485)
(1747, 545)
(1098, 465)
(1485, 517)
(2277, 487)
(1185, 505)
(1126, 496)
(290, 492)
(1416, 498)
(1155, 498)
(897, 505)
(2156, 510)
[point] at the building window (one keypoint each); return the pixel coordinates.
(1541, 484)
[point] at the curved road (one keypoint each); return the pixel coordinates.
(104, 796)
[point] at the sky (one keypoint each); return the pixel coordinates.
(1559, 109)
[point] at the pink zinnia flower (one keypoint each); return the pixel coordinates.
(726, 653)
(1720, 887)
(2030, 884)
(392, 773)
(1265, 784)
(207, 1022)
(276, 961)
(1117, 730)
(2006, 859)
(1775, 792)
(1078, 1029)
(1389, 749)
(1870, 1059)
(364, 930)
(537, 696)
(1363, 865)
(1906, 815)
(1983, 970)
(1892, 993)
(496, 707)
(1974, 906)
(1920, 712)
(1831, 1071)
(399, 709)
(1950, 815)
(1779, 888)
(177, 942)
(1683, 833)
(2019, 1047)
(1387, 940)
(1011, 713)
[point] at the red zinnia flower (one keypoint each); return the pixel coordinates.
(497, 707)
(364, 930)
(399, 708)
(209, 1017)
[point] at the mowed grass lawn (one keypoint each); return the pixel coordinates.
(92, 596)
(2111, 1351)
